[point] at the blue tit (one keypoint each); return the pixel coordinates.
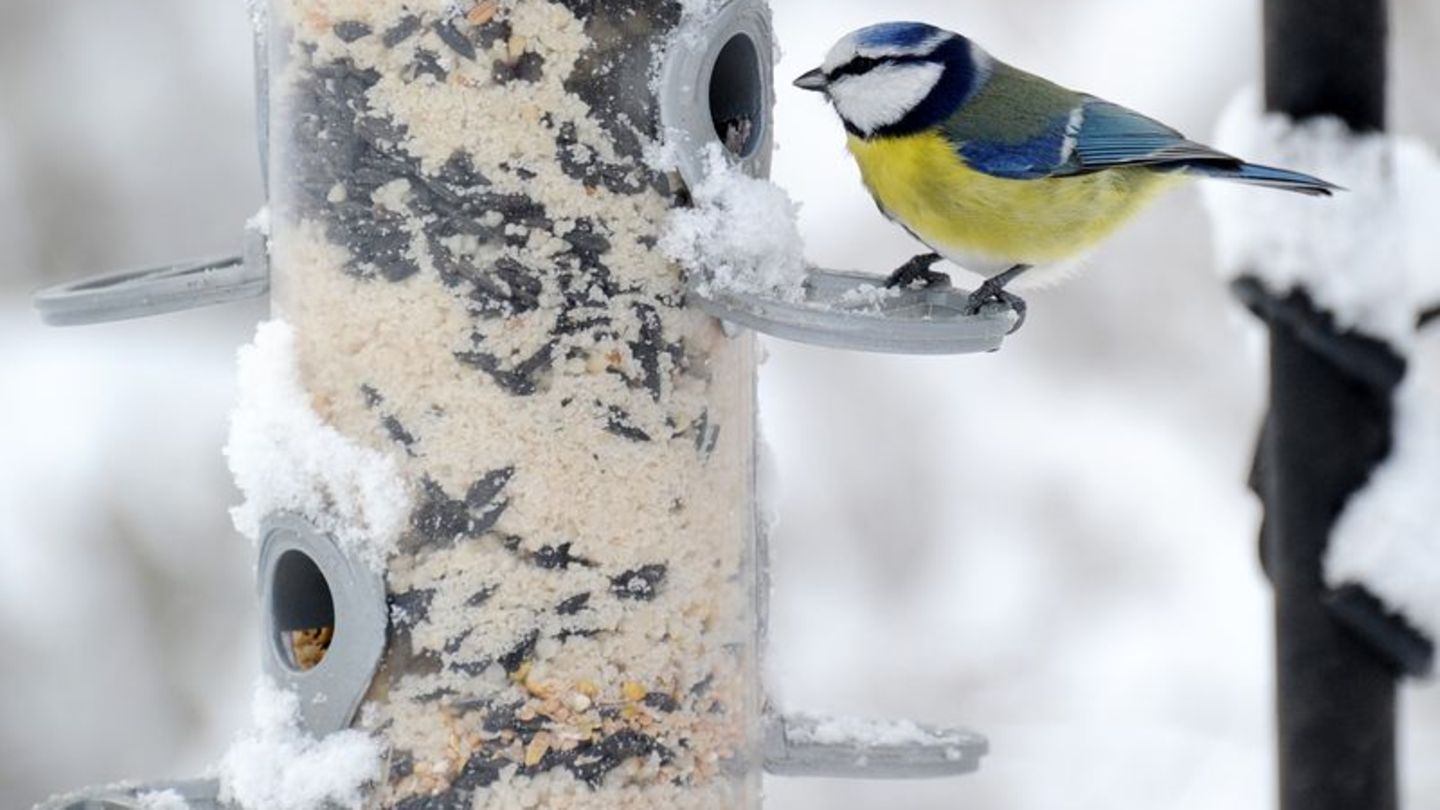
(994, 168)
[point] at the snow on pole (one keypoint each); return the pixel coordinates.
(1386, 543)
(465, 256)
(1334, 285)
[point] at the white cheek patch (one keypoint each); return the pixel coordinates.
(884, 95)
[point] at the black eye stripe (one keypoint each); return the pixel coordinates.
(856, 66)
(864, 64)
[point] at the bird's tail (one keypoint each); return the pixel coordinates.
(1268, 176)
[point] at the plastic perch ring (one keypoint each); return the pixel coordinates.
(140, 293)
(844, 310)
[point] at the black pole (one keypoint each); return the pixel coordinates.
(1329, 426)
(1327, 57)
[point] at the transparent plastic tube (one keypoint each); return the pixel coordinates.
(463, 238)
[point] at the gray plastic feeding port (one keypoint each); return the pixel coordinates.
(199, 794)
(717, 86)
(307, 582)
(798, 745)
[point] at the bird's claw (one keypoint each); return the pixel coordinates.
(988, 295)
(917, 271)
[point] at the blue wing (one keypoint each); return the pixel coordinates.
(1085, 136)
(1030, 159)
(1109, 135)
(1021, 127)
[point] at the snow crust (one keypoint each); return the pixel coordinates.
(285, 458)
(259, 11)
(862, 733)
(1370, 256)
(1418, 170)
(276, 766)
(260, 221)
(698, 8)
(740, 235)
(1349, 251)
(1388, 537)
(161, 800)
(869, 296)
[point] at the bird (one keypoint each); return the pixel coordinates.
(999, 170)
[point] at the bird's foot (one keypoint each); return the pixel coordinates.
(917, 271)
(992, 293)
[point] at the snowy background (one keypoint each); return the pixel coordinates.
(1053, 544)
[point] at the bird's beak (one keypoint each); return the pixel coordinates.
(814, 80)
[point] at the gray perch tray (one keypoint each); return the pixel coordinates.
(142, 293)
(834, 312)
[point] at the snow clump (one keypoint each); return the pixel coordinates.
(285, 458)
(277, 766)
(740, 235)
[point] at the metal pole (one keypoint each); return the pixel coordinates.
(1329, 425)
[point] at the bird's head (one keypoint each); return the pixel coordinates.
(898, 78)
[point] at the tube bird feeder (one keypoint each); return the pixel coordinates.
(463, 240)
(462, 246)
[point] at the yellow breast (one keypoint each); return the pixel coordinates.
(919, 180)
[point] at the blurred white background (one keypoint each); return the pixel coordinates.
(1052, 544)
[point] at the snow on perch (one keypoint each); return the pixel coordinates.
(740, 235)
(285, 458)
(276, 766)
(1370, 256)
(161, 800)
(862, 733)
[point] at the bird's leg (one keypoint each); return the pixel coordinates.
(918, 270)
(993, 291)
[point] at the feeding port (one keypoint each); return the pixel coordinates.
(717, 86)
(324, 617)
